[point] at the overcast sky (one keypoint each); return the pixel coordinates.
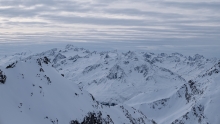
(190, 26)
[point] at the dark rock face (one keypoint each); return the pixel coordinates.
(126, 62)
(160, 104)
(157, 59)
(69, 47)
(194, 88)
(11, 65)
(190, 91)
(177, 54)
(173, 58)
(142, 69)
(58, 57)
(90, 68)
(129, 54)
(43, 60)
(49, 52)
(41, 70)
(146, 55)
(132, 120)
(39, 62)
(196, 113)
(214, 70)
(48, 79)
(2, 77)
(197, 57)
(94, 118)
(74, 58)
(46, 60)
(116, 72)
(108, 104)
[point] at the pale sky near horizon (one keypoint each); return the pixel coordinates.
(183, 26)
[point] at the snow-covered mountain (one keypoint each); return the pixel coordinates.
(33, 92)
(139, 87)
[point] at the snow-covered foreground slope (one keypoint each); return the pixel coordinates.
(35, 93)
(164, 88)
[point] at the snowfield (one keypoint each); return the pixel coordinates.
(74, 85)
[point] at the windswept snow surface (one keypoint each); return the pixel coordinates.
(140, 87)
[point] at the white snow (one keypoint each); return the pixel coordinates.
(145, 85)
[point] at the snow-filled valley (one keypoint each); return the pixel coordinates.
(74, 85)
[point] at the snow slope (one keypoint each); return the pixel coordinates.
(35, 93)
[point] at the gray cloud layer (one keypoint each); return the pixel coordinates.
(132, 21)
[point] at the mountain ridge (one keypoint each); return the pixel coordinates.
(165, 88)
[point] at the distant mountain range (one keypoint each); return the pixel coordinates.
(74, 85)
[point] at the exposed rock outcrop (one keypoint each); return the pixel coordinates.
(3, 77)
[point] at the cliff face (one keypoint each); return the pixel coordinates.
(2, 77)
